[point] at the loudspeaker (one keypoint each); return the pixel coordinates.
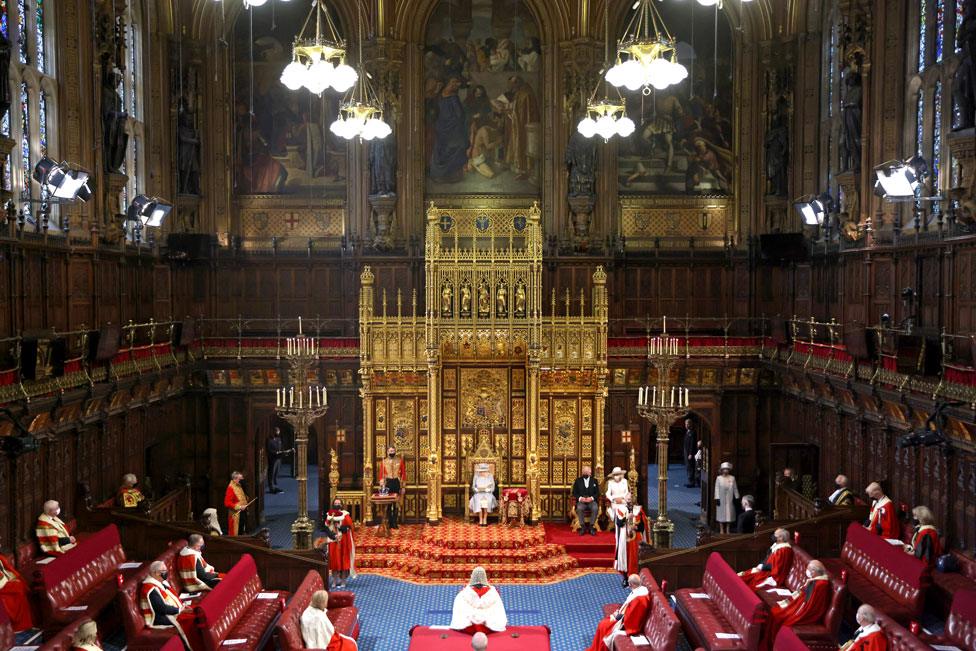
(185, 333)
(28, 359)
(190, 246)
(103, 344)
(59, 354)
(781, 248)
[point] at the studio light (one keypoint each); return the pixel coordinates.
(150, 211)
(61, 181)
(318, 61)
(647, 54)
(900, 180)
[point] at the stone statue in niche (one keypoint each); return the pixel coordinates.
(778, 150)
(964, 81)
(447, 300)
(188, 152)
(382, 166)
(581, 163)
(114, 138)
(4, 74)
(850, 143)
(465, 298)
(520, 298)
(501, 300)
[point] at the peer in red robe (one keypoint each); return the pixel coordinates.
(638, 531)
(868, 636)
(342, 545)
(629, 619)
(807, 606)
(883, 520)
(775, 567)
(13, 596)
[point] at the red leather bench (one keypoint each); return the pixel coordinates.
(28, 553)
(960, 627)
(233, 611)
(81, 583)
(945, 584)
(649, 582)
(731, 607)
(796, 578)
(342, 613)
(6, 629)
(62, 641)
(140, 637)
(661, 628)
(513, 638)
(881, 574)
(788, 640)
(899, 639)
(174, 644)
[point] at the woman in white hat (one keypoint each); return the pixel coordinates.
(726, 494)
(483, 501)
(618, 493)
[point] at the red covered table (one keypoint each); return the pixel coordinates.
(514, 638)
(515, 505)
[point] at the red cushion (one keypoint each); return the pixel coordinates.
(343, 615)
(137, 635)
(514, 638)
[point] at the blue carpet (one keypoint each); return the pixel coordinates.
(681, 503)
(280, 510)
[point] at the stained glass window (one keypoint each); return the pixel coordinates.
(960, 6)
(937, 133)
(42, 121)
(22, 30)
(940, 15)
(4, 19)
(8, 177)
(831, 65)
(5, 124)
(919, 122)
(25, 151)
(39, 26)
(923, 32)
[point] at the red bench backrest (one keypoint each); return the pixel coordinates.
(902, 576)
(220, 610)
(648, 580)
(662, 626)
(289, 628)
(797, 578)
(94, 560)
(961, 625)
(787, 640)
(174, 644)
(737, 602)
(899, 637)
(130, 610)
(62, 641)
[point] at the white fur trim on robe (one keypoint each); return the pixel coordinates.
(318, 630)
(617, 629)
(471, 609)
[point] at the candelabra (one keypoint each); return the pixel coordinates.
(300, 405)
(661, 404)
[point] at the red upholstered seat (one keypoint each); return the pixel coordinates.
(513, 638)
(174, 644)
(881, 574)
(86, 576)
(62, 641)
(946, 584)
(661, 628)
(649, 582)
(731, 607)
(788, 640)
(342, 613)
(27, 553)
(960, 628)
(138, 636)
(796, 578)
(233, 611)
(899, 637)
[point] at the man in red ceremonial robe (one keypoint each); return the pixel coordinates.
(627, 620)
(808, 605)
(637, 531)
(13, 596)
(925, 543)
(393, 477)
(883, 520)
(159, 603)
(869, 637)
(478, 607)
(235, 499)
(52, 532)
(129, 496)
(342, 545)
(774, 569)
(195, 573)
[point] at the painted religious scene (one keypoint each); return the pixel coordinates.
(683, 140)
(282, 142)
(482, 63)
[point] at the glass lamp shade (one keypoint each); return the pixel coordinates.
(254, 3)
(625, 127)
(319, 76)
(606, 127)
(708, 3)
(587, 127)
(343, 77)
(293, 76)
(375, 128)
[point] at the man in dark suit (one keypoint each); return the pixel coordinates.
(746, 522)
(275, 453)
(586, 493)
(690, 448)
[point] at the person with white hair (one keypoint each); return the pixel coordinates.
(925, 544)
(236, 500)
(628, 619)
(842, 495)
(775, 567)
(618, 494)
(808, 605)
(726, 493)
(882, 520)
(483, 500)
(318, 631)
(160, 604)
(196, 574)
(129, 496)
(479, 642)
(868, 636)
(210, 522)
(86, 638)
(52, 533)
(478, 607)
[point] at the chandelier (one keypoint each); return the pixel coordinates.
(647, 54)
(318, 61)
(606, 117)
(361, 113)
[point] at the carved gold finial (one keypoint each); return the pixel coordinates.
(600, 276)
(534, 212)
(431, 212)
(367, 276)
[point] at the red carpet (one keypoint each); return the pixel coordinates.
(589, 551)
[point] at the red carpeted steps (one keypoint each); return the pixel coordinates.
(589, 551)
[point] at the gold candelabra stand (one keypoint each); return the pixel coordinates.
(661, 404)
(300, 405)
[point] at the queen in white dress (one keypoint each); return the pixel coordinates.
(483, 500)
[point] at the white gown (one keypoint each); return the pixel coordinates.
(487, 609)
(619, 488)
(318, 630)
(484, 494)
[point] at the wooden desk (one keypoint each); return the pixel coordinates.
(377, 499)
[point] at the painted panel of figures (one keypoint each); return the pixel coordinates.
(284, 146)
(683, 143)
(482, 62)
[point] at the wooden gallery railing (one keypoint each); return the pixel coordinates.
(174, 506)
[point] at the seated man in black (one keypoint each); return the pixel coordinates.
(746, 522)
(586, 493)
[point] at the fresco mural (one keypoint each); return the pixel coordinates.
(284, 146)
(683, 142)
(482, 62)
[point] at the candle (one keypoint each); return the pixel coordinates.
(299, 325)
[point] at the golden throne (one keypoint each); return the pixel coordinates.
(484, 453)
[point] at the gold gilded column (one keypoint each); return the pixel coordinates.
(367, 447)
(434, 439)
(532, 395)
(599, 404)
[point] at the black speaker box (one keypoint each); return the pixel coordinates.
(59, 353)
(192, 246)
(28, 359)
(103, 344)
(783, 248)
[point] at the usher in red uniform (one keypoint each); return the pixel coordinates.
(776, 566)
(807, 606)
(234, 498)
